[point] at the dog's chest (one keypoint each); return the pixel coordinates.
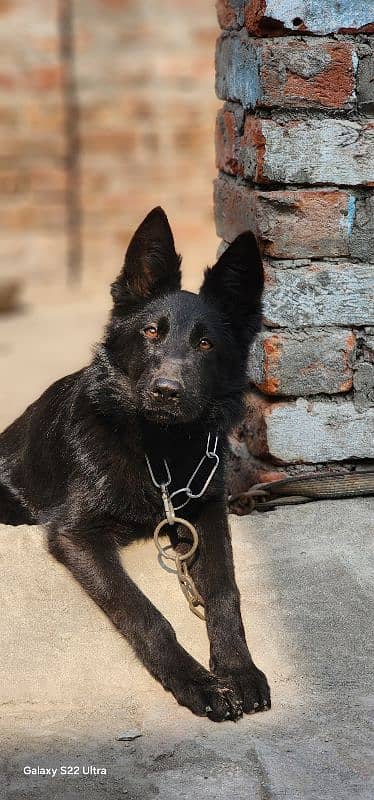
(127, 488)
(125, 491)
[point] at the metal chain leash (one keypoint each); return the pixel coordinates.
(210, 453)
(186, 582)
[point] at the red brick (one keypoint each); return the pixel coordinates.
(228, 141)
(115, 5)
(254, 15)
(47, 179)
(12, 181)
(45, 118)
(112, 141)
(7, 80)
(24, 147)
(266, 372)
(309, 151)
(22, 217)
(286, 72)
(307, 431)
(45, 78)
(8, 116)
(257, 409)
(227, 16)
(252, 147)
(300, 363)
(318, 293)
(299, 74)
(290, 224)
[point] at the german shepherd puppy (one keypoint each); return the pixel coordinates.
(171, 369)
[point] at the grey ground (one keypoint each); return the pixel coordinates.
(70, 684)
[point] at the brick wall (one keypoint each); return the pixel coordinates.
(295, 153)
(144, 76)
(32, 177)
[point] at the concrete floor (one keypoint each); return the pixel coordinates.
(70, 684)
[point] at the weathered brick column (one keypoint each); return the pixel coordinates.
(295, 151)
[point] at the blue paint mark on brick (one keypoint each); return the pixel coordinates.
(351, 213)
(347, 219)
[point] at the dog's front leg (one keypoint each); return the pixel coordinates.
(90, 553)
(213, 573)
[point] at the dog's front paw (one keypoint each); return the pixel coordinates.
(206, 695)
(251, 686)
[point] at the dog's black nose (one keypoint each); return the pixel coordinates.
(166, 389)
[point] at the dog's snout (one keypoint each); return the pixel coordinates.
(166, 389)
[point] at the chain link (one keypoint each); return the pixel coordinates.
(186, 582)
(167, 497)
(194, 599)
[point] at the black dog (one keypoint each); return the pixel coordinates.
(169, 372)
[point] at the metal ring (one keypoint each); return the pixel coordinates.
(187, 525)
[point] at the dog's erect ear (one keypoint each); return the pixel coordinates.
(235, 284)
(151, 268)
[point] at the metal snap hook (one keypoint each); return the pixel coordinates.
(211, 453)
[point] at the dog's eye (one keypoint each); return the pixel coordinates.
(205, 344)
(151, 332)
